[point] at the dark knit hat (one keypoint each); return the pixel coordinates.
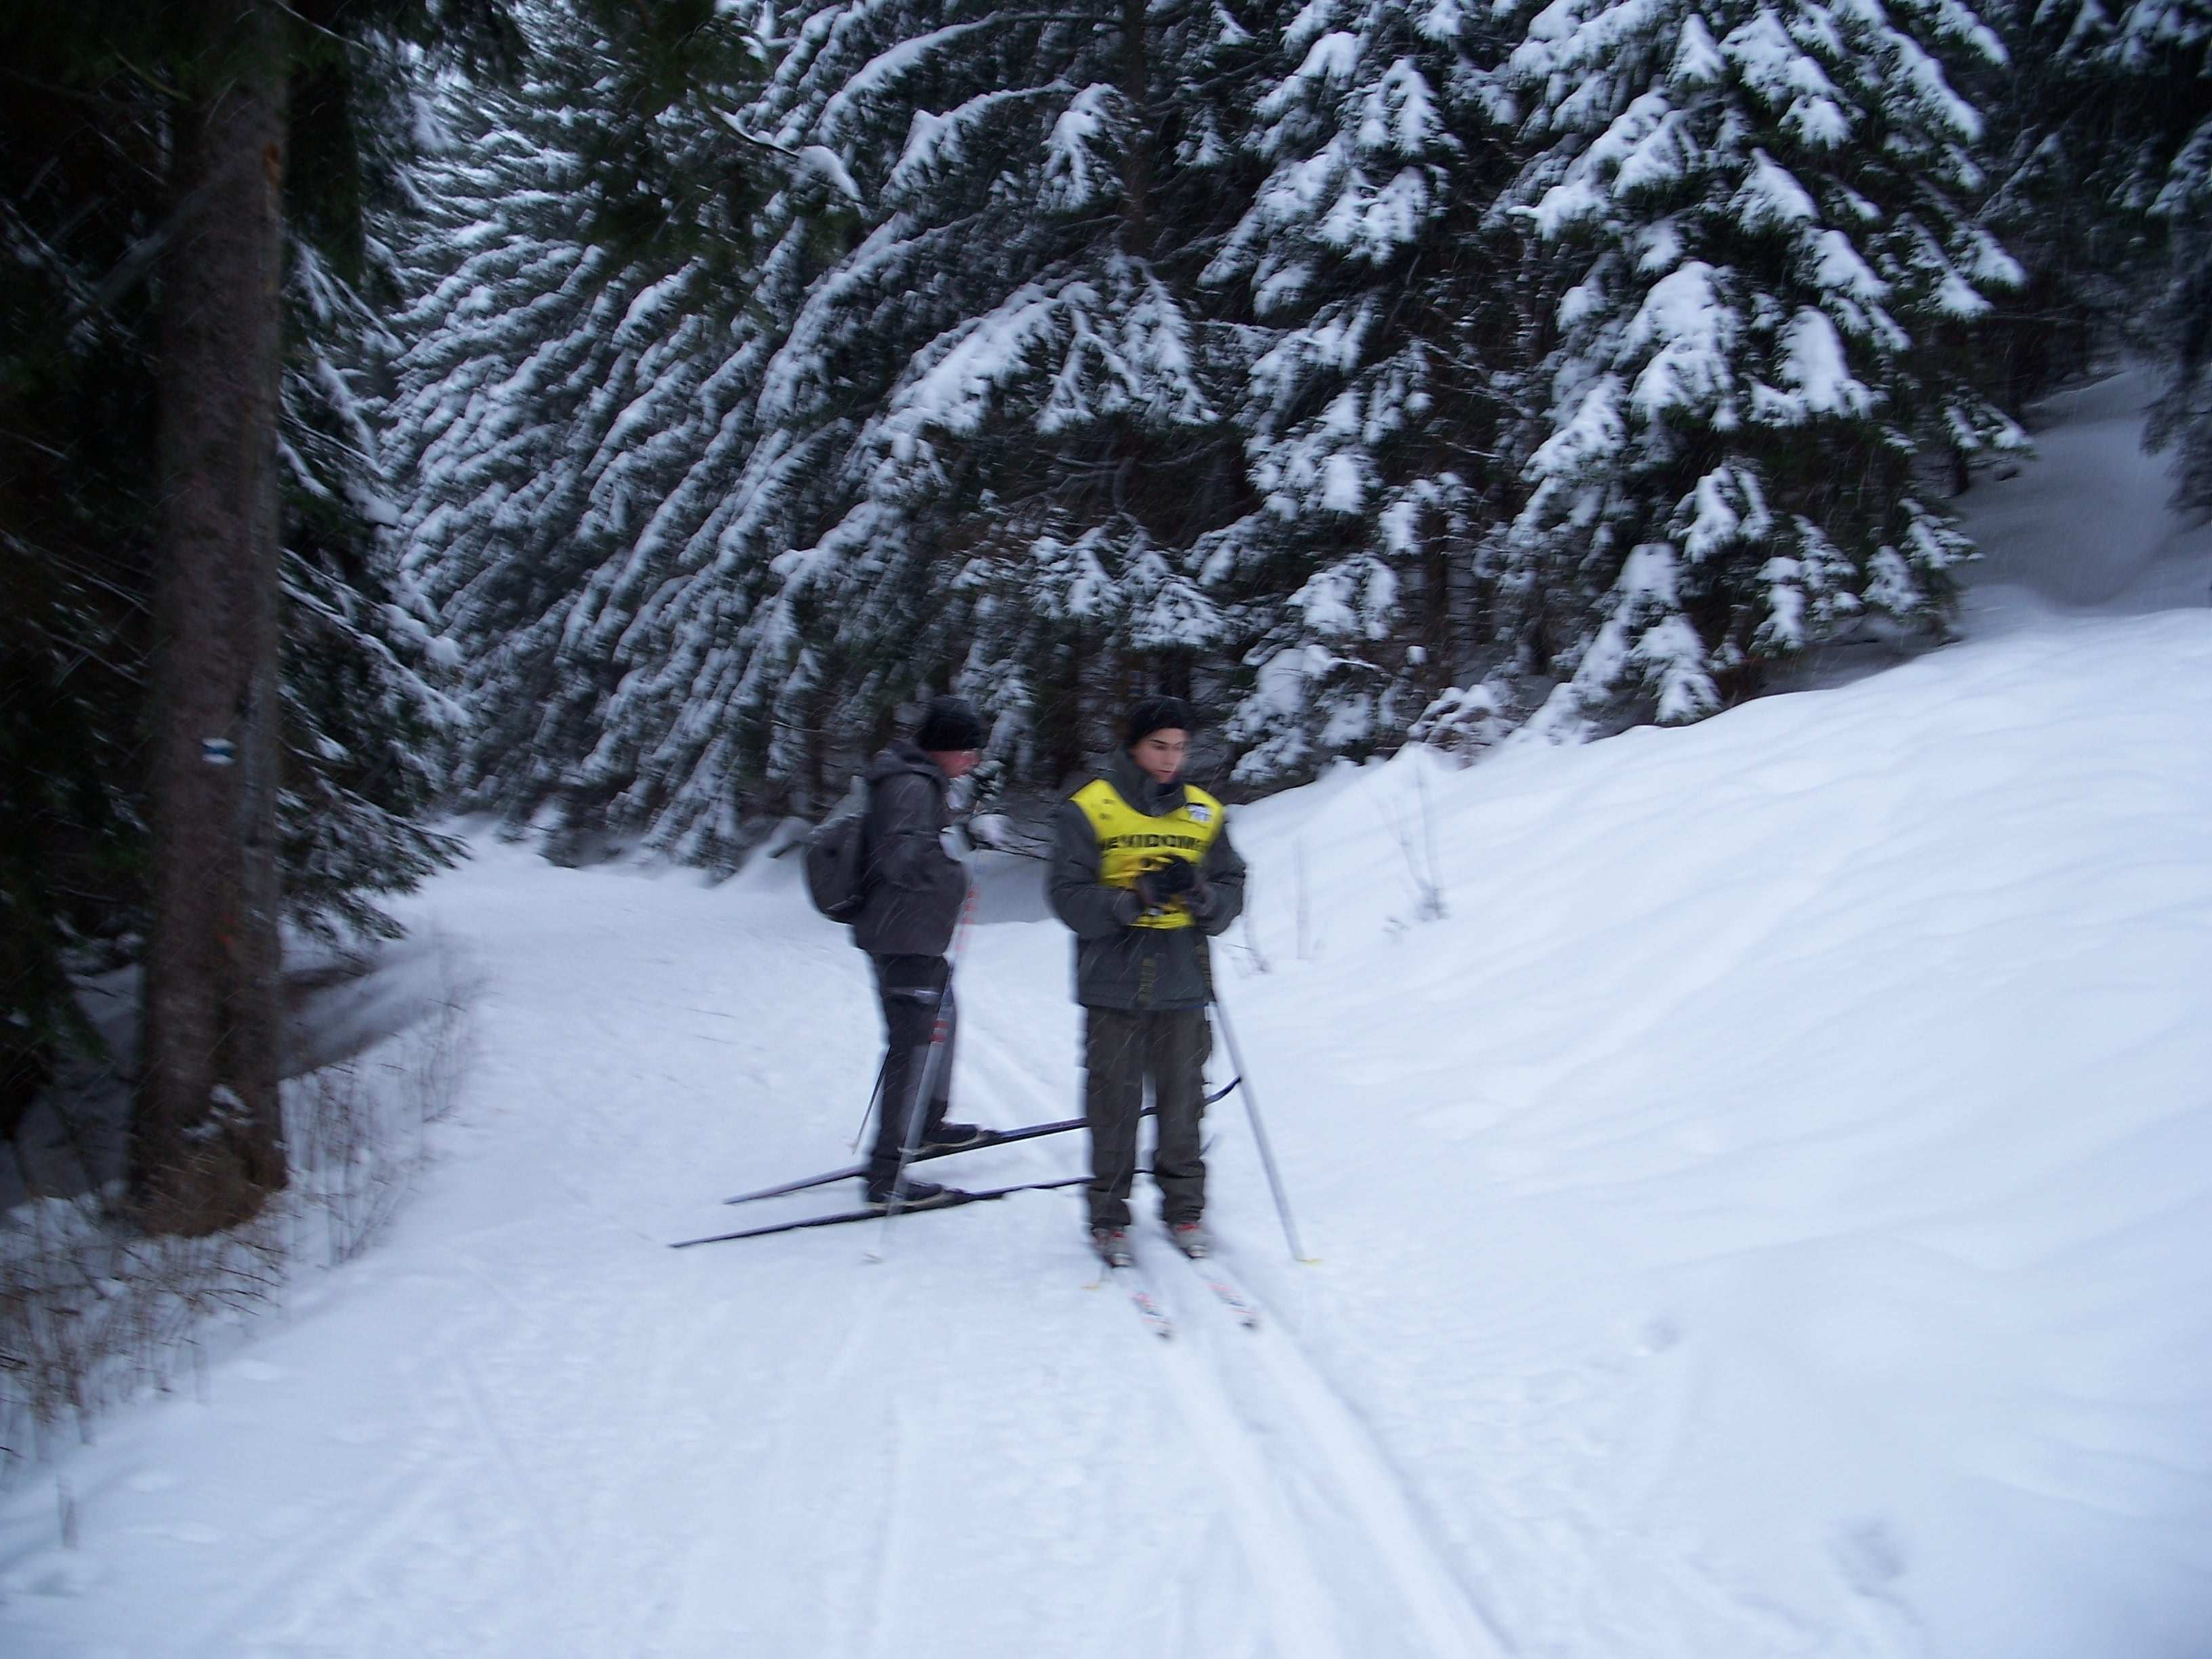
(951, 724)
(1158, 714)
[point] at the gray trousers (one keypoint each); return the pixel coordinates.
(1121, 1051)
(909, 987)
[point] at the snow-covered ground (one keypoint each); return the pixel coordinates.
(1769, 1214)
(2085, 525)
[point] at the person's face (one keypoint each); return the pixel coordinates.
(957, 763)
(1159, 755)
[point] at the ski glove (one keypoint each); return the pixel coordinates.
(1178, 878)
(1174, 878)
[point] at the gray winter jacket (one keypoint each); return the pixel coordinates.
(1117, 964)
(915, 888)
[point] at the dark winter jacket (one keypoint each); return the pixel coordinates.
(914, 887)
(1117, 963)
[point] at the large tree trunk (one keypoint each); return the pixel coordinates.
(207, 1143)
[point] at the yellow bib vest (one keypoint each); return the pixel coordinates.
(1130, 842)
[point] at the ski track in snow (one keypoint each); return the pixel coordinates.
(1354, 1514)
(1360, 1487)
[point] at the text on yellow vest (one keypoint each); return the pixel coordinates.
(1131, 843)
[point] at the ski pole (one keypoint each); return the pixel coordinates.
(874, 1095)
(918, 1107)
(1260, 1132)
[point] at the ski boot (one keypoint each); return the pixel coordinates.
(913, 1195)
(1190, 1237)
(945, 1137)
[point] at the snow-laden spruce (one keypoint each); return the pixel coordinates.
(369, 712)
(1370, 409)
(985, 432)
(1767, 262)
(2164, 48)
(368, 685)
(559, 377)
(2102, 141)
(1361, 369)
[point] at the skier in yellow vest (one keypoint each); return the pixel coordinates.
(1143, 870)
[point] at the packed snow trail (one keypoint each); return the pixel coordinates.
(1766, 1216)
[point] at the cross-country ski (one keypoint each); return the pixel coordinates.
(1129, 1279)
(1225, 1292)
(951, 1199)
(856, 1171)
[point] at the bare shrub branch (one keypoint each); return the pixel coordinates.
(94, 1311)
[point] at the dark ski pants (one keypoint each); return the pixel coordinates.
(909, 987)
(1121, 1051)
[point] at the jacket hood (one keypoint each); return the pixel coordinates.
(902, 755)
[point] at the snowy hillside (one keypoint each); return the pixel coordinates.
(1769, 1213)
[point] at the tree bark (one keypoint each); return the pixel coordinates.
(207, 1143)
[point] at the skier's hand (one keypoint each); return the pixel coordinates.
(954, 839)
(1174, 878)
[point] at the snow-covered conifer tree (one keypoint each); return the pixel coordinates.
(366, 715)
(2091, 114)
(2103, 123)
(2182, 418)
(1763, 217)
(573, 288)
(516, 360)
(367, 711)
(1384, 312)
(2165, 47)
(985, 443)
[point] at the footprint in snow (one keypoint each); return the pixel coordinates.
(1871, 1556)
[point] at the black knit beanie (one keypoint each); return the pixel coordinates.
(1158, 714)
(951, 724)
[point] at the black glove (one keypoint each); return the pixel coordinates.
(1172, 880)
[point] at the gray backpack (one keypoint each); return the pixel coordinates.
(837, 866)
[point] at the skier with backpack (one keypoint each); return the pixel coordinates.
(1143, 874)
(886, 870)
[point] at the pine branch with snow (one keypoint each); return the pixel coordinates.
(1381, 336)
(1766, 222)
